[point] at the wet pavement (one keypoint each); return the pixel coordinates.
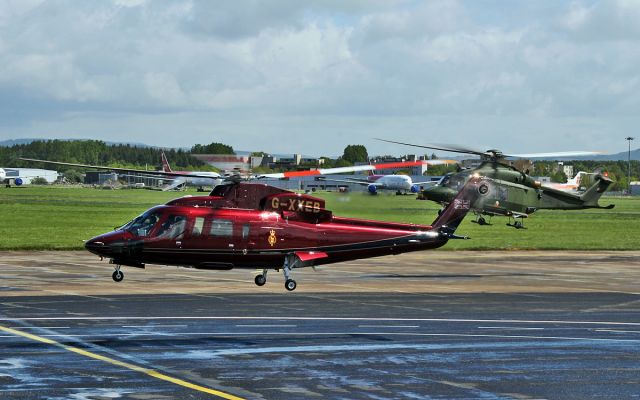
(511, 325)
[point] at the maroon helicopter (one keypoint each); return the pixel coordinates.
(253, 225)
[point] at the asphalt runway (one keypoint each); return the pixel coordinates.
(437, 325)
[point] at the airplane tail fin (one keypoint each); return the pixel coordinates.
(593, 194)
(451, 217)
(165, 164)
(576, 179)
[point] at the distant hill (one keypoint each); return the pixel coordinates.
(622, 156)
(635, 155)
(12, 142)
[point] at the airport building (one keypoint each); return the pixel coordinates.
(29, 174)
(634, 188)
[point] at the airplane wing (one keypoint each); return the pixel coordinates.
(105, 168)
(174, 184)
(355, 168)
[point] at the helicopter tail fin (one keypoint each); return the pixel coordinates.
(592, 195)
(451, 217)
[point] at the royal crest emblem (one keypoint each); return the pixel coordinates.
(272, 237)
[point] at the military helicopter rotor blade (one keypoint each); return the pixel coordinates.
(494, 154)
(454, 148)
(554, 154)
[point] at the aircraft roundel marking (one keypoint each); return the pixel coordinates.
(272, 238)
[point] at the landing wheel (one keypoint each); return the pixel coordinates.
(518, 224)
(482, 221)
(290, 285)
(118, 276)
(260, 280)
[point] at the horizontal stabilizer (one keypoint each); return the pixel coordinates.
(310, 255)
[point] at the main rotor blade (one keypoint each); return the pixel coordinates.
(461, 149)
(443, 147)
(554, 154)
(209, 175)
(355, 168)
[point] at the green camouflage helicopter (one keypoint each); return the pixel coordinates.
(510, 192)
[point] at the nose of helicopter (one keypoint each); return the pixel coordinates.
(105, 245)
(97, 246)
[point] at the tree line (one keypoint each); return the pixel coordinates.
(97, 152)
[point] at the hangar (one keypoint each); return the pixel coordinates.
(20, 176)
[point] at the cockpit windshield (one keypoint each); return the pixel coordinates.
(453, 181)
(142, 225)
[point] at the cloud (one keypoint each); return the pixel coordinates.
(328, 69)
(616, 20)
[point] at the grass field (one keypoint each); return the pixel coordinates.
(43, 218)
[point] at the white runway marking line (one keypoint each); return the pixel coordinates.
(39, 327)
(511, 328)
(615, 331)
(388, 326)
(265, 326)
(364, 319)
(154, 326)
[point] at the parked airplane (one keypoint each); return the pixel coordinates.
(205, 178)
(399, 183)
(572, 185)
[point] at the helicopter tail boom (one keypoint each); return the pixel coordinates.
(448, 221)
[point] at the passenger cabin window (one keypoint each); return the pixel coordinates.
(173, 227)
(245, 231)
(221, 228)
(142, 225)
(197, 227)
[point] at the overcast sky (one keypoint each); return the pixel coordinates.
(285, 76)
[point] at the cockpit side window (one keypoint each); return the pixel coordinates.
(173, 227)
(143, 225)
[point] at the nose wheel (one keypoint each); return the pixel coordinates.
(261, 279)
(117, 275)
